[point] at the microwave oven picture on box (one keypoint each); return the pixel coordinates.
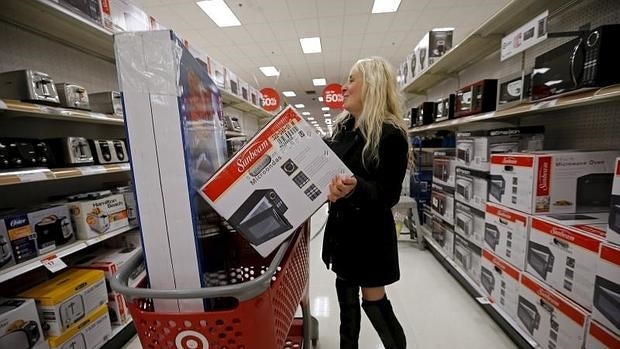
(513, 90)
(479, 97)
(600, 337)
(606, 303)
(501, 281)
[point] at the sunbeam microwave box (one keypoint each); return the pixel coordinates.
(606, 307)
(601, 338)
(500, 280)
(505, 233)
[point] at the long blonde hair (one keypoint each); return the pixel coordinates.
(381, 102)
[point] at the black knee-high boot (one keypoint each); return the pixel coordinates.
(350, 313)
(384, 321)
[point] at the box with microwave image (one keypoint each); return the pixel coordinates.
(67, 298)
(468, 255)
(470, 223)
(232, 83)
(443, 234)
(479, 97)
(444, 108)
(548, 316)
(500, 280)
(474, 148)
(600, 337)
(606, 301)
(505, 233)
(93, 217)
(613, 230)
(513, 90)
(217, 72)
(431, 48)
(425, 114)
(444, 169)
(123, 16)
(90, 333)
(22, 239)
(554, 182)
(52, 225)
(564, 257)
(471, 188)
(20, 327)
(443, 203)
(244, 90)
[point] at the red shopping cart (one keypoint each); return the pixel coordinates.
(254, 313)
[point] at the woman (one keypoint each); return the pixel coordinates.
(360, 236)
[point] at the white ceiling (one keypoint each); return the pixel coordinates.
(271, 30)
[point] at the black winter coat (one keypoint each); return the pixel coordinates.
(360, 242)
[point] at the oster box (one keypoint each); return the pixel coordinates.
(22, 239)
(601, 338)
(500, 280)
(606, 301)
(613, 231)
(505, 233)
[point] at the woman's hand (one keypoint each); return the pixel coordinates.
(341, 187)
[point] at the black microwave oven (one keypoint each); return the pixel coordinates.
(479, 97)
(590, 60)
(426, 114)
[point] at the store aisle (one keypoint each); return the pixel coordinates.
(435, 311)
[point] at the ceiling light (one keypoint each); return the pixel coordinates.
(384, 6)
(310, 118)
(311, 45)
(325, 108)
(447, 29)
(219, 13)
(305, 113)
(269, 71)
(299, 106)
(320, 99)
(327, 115)
(289, 93)
(319, 82)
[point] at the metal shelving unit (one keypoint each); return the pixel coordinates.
(45, 174)
(16, 109)
(229, 99)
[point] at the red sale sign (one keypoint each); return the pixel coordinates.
(271, 99)
(332, 96)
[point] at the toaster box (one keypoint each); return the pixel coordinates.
(92, 218)
(606, 301)
(554, 182)
(21, 238)
(613, 230)
(217, 72)
(505, 233)
(123, 16)
(500, 281)
(564, 257)
(6, 248)
(52, 225)
(90, 333)
(468, 255)
(68, 298)
(601, 338)
(244, 90)
(443, 234)
(442, 203)
(471, 188)
(444, 169)
(550, 318)
(19, 325)
(232, 83)
(474, 149)
(470, 223)
(130, 203)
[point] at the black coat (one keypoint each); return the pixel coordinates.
(360, 242)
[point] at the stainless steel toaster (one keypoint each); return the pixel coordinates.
(28, 85)
(71, 151)
(72, 96)
(109, 151)
(108, 102)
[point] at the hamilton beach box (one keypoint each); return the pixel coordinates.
(90, 333)
(606, 309)
(500, 280)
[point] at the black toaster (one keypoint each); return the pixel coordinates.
(24, 153)
(108, 151)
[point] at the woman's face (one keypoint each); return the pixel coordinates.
(352, 92)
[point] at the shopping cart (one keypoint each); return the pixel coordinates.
(262, 314)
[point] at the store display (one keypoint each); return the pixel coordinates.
(550, 317)
(90, 9)
(443, 234)
(24, 153)
(72, 96)
(444, 169)
(470, 223)
(606, 309)
(505, 233)
(479, 97)
(124, 16)
(28, 85)
(442, 203)
(444, 108)
(471, 188)
(22, 239)
(613, 230)
(474, 148)
(555, 182)
(109, 102)
(90, 333)
(425, 114)
(601, 338)
(108, 151)
(433, 45)
(19, 325)
(93, 217)
(232, 123)
(71, 151)
(52, 225)
(68, 298)
(468, 255)
(501, 281)
(513, 90)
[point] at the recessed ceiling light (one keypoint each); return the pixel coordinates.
(310, 118)
(299, 106)
(269, 71)
(442, 29)
(320, 99)
(325, 108)
(384, 6)
(219, 13)
(289, 93)
(305, 113)
(327, 115)
(319, 82)
(311, 45)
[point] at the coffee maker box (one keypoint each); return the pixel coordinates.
(553, 182)
(53, 227)
(468, 255)
(431, 48)
(470, 222)
(443, 203)
(613, 231)
(500, 280)
(550, 317)
(505, 233)
(92, 218)
(19, 325)
(601, 338)
(471, 188)
(606, 309)
(22, 240)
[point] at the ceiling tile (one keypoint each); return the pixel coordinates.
(300, 9)
(307, 28)
(379, 22)
(403, 20)
(284, 30)
(357, 6)
(331, 44)
(412, 5)
(330, 8)
(373, 40)
(330, 27)
(352, 41)
(355, 24)
(260, 32)
(274, 10)
(249, 12)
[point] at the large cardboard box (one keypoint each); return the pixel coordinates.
(606, 309)
(92, 332)
(443, 234)
(613, 232)
(93, 218)
(505, 233)
(470, 223)
(53, 227)
(442, 203)
(500, 280)
(468, 256)
(472, 188)
(19, 325)
(601, 338)
(22, 240)
(554, 182)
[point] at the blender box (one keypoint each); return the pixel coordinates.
(444, 169)
(469, 222)
(553, 182)
(53, 227)
(443, 234)
(564, 257)
(613, 231)
(68, 298)
(550, 317)
(6, 249)
(601, 338)
(91, 332)
(500, 280)
(474, 149)
(468, 256)
(92, 218)
(19, 325)
(22, 240)
(471, 188)
(606, 301)
(505, 233)
(442, 203)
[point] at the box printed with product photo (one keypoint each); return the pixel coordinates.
(505, 233)
(468, 256)
(600, 337)
(444, 169)
(6, 249)
(471, 187)
(90, 333)
(606, 302)
(550, 317)
(92, 218)
(53, 227)
(442, 202)
(500, 280)
(20, 326)
(22, 240)
(613, 230)
(443, 234)
(470, 223)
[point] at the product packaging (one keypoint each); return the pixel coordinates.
(22, 240)
(613, 231)
(93, 218)
(130, 203)
(52, 226)
(601, 338)
(443, 234)
(472, 188)
(468, 256)
(90, 333)
(433, 45)
(6, 249)
(19, 325)
(500, 280)
(606, 309)
(505, 233)
(444, 169)
(442, 203)
(123, 16)
(470, 223)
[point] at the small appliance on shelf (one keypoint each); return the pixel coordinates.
(426, 114)
(71, 151)
(108, 151)
(231, 123)
(72, 96)
(29, 86)
(109, 102)
(513, 90)
(444, 108)
(479, 97)
(24, 153)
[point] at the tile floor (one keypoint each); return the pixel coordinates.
(435, 311)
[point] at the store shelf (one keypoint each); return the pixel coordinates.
(55, 22)
(118, 328)
(509, 325)
(44, 174)
(121, 335)
(14, 109)
(481, 42)
(233, 134)
(229, 99)
(64, 251)
(583, 98)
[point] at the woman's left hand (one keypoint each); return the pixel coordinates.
(341, 187)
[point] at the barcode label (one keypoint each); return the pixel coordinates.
(287, 136)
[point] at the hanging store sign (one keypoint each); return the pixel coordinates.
(528, 35)
(271, 99)
(332, 96)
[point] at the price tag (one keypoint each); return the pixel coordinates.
(90, 170)
(2, 105)
(53, 263)
(31, 176)
(544, 104)
(483, 300)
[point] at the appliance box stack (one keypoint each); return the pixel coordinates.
(92, 332)
(19, 325)
(470, 223)
(468, 256)
(606, 307)
(501, 281)
(505, 233)
(613, 231)
(442, 203)
(123, 16)
(92, 218)
(443, 234)
(601, 338)
(471, 187)
(433, 45)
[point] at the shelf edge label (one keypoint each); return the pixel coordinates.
(528, 35)
(53, 263)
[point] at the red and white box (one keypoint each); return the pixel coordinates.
(505, 233)
(442, 203)
(553, 182)
(468, 255)
(443, 234)
(550, 317)
(613, 231)
(601, 338)
(500, 280)
(470, 223)
(564, 257)
(606, 309)
(472, 188)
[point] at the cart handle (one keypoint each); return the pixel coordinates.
(242, 292)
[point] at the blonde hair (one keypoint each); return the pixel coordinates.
(381, 102)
